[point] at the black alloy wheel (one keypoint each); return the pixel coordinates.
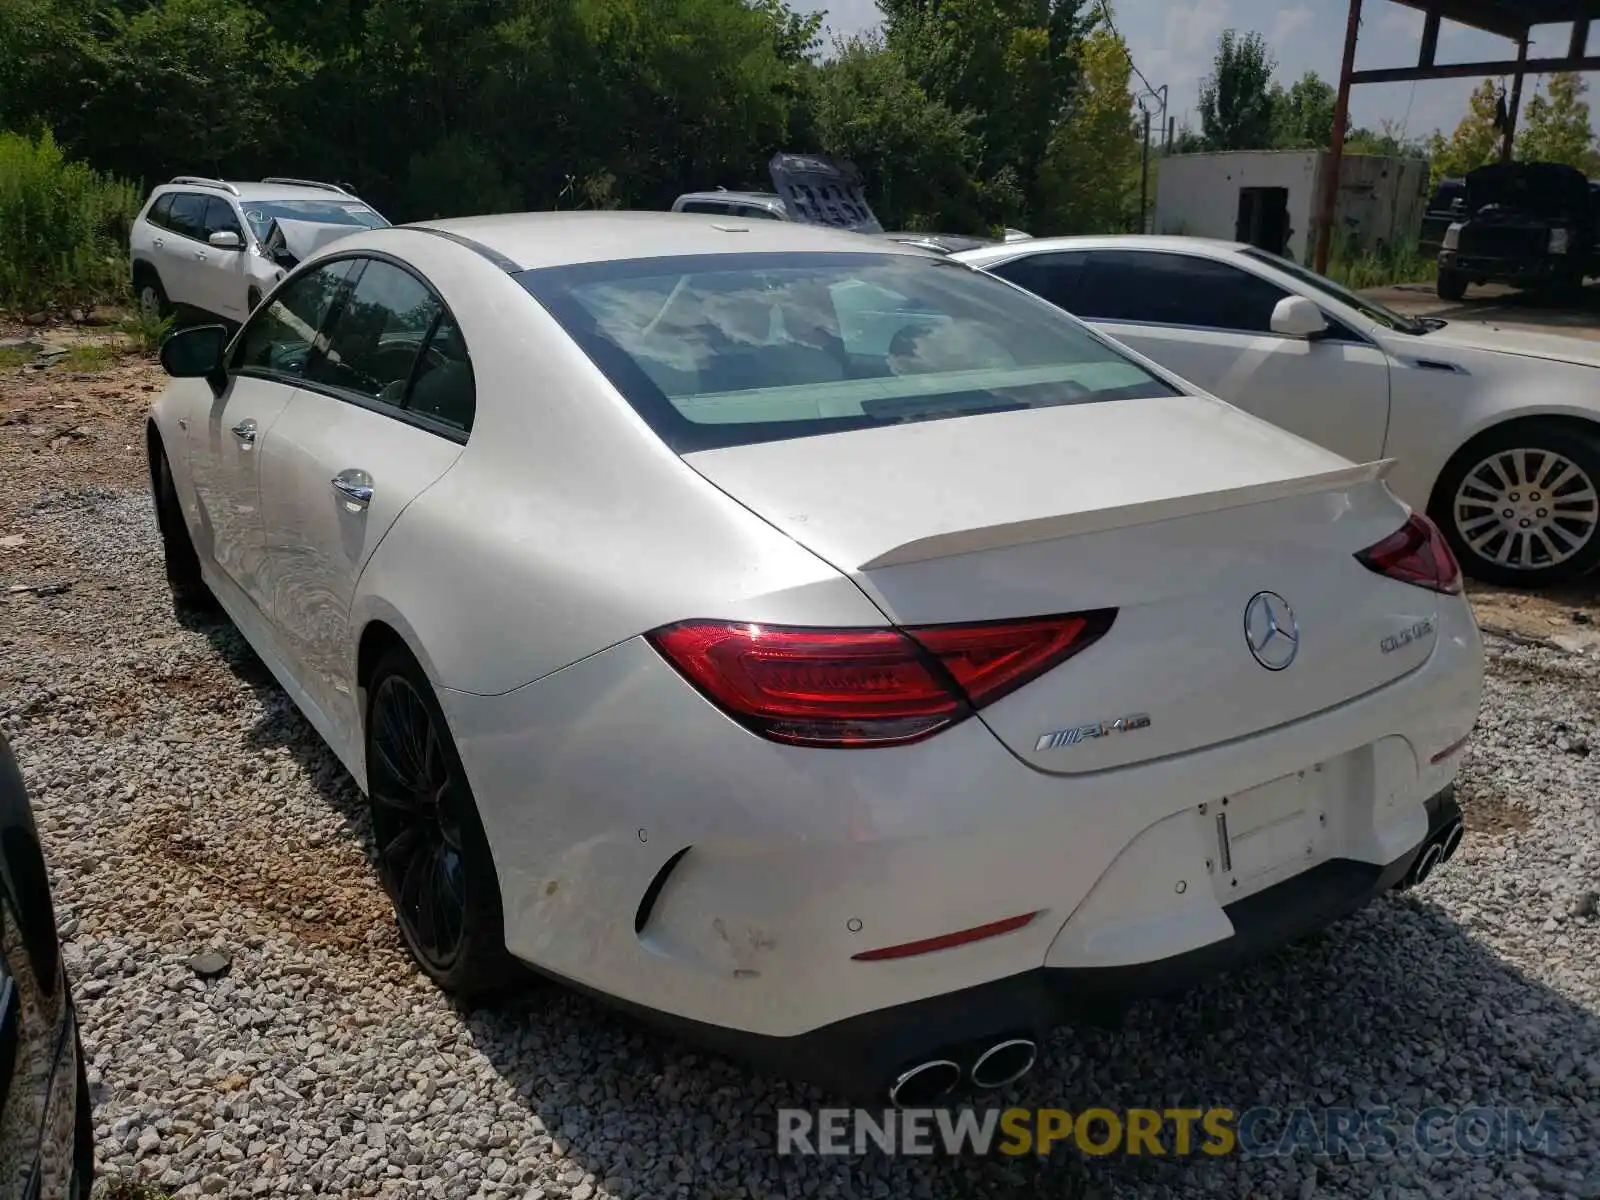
(432, 854)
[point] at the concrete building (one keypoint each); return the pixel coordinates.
(1269, 198)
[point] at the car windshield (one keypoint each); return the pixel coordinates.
(261, 213)
(731, 349)
(1373, 311)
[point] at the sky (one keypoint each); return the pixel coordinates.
(1173, 42)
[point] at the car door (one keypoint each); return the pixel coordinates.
(221, 282)
(226, 447)
(181, 254)
(384, 411)
(1210, 322)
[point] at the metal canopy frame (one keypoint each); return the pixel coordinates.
(1513, 19)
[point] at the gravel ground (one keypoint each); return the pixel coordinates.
(186, 807)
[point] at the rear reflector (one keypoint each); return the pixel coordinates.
(1416, 553)
(946, 940)
(867, 687)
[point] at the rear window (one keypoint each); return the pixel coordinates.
(727, 350)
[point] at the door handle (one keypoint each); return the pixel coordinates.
(160, 242)
(354, 488)
(245, 431)
(200, 255)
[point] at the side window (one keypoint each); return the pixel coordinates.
(1174, 289)
(188, 215)
(443, 389)
(280, 336)
(220, 218)
(1053, 277)
(373, 342)
(161, 211)
(756, 212)
(709, 207)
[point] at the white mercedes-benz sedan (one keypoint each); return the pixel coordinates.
(806, 641)
(1495, 432)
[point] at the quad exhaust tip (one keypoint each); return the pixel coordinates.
(1004, 1063)
(1425, 865)
(925, 1083)
(1439, 849)
(1452, 839)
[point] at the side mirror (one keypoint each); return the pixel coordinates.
(1297, 317)
(226, 239)
(196, 353)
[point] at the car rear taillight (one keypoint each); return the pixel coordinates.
(1416, 553)
(867, 687)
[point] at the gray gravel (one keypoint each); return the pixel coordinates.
(186, 808)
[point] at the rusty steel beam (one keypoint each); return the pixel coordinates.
(1532, 66)
(1430, 41)
(1328, 207)
(1514, 105)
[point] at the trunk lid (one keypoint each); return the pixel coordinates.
(1176, 511)
(817, 190)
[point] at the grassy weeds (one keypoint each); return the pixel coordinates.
(145, 331)
(1358, 269)
(89, 358)
(63, 228)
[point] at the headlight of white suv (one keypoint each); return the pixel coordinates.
(1560, 239)
(1452, 236)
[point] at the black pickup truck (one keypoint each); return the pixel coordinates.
(1531, 225)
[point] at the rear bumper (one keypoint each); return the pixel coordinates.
(650, 852)
(1510, 270)
(858, 1055)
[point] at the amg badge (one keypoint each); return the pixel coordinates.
(1071, 737)
(1406, 636)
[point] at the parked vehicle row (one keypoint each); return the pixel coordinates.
(215, 247)
(825, 648)
(1495, 433)
(1531, 225)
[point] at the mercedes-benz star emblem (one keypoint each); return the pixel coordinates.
(1271, 631)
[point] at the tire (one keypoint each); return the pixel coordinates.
(149, 294)
(188, 586)
(1452, 284)
(1549, 468)
(83, 1136)
(429, 844)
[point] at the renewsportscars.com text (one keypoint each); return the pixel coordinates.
(1371, 1133)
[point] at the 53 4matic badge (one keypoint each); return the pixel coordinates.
(1071, 737)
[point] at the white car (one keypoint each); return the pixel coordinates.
(1496, 433)
(806, 640)
(216, 247)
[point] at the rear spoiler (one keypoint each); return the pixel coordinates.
(1044, 529)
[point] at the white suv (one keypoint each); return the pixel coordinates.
(217, 247)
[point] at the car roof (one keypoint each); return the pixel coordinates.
(558, 239)
(246, 192)
(1207, 247)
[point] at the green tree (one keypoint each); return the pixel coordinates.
(1011, 66)
(1090, 177)
(1302, 116)
(183, 84)
(1236, 108)
(1556, 127)
(1476, 140)
(917, 156)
